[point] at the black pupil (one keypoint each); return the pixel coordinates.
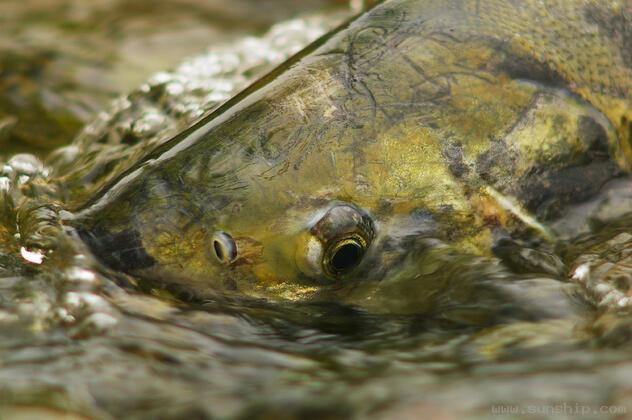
(346, 257)
(219, 250)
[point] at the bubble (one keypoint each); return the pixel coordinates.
(150, 123)
(5, 184)
(25, 164)
(34, 257)
(175, 89)
(159, 79)
(80, 275)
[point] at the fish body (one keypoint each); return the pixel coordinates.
(417, 124)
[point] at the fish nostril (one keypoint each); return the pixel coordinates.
(224, 247)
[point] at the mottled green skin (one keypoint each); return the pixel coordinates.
(425, 114)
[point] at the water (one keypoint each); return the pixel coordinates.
(81, 341)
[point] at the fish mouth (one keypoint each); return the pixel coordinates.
(122, 251)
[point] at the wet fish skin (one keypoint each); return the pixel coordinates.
(419, 114)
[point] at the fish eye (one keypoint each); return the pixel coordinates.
(344, 255)
(224, 247)
(336, 243)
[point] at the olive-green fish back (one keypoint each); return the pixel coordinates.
(587, 43)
